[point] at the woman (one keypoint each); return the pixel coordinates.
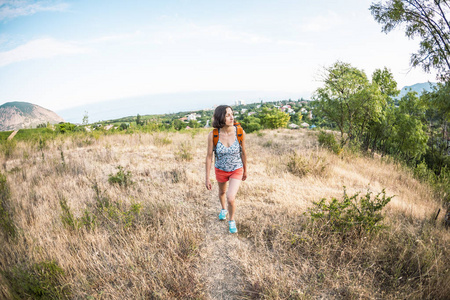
(231, 162)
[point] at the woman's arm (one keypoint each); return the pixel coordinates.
(244, 156)
(209, 157)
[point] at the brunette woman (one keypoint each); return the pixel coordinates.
(230, 162)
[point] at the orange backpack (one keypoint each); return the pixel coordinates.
(239, 133)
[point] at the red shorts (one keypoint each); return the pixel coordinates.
(222, 176)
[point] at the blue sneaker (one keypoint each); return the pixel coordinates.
(223, 214)
(233, 228)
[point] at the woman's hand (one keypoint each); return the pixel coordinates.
(208, 184)
(244, 176)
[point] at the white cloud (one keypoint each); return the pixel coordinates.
(116, 37)
(41, 48)
(322, 23)
(16, 8)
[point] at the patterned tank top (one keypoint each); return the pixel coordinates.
(228, 159)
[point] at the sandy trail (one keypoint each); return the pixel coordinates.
(221, 267)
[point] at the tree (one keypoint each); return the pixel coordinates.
(273, 118)
(251, 124)
(438, 120)
(139, 121)
(426, 19)
(345, 98)
(194, 124)
(178, 124)
(380, 128)
(85, 118)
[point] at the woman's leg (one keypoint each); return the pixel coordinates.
(222, 193)
(231, 196)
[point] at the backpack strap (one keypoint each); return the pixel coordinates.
(215, 140)
(215, 137)
(239, 133)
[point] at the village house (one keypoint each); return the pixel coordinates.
(193, 117)
(287, 109)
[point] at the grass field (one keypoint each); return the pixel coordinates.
(123, 216)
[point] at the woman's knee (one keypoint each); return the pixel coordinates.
(230, 199)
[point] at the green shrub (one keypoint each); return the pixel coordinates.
(130, 215)
(328, 141)
(122, 177)
(88, 220)
(362, 215)
(64, 127)
(67, 217)
(41, 280)
(6, 212)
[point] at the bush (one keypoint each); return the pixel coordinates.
(64, 127)
(122, 177)
(328, 141)
(39, 281)
(6, 214)
(350, 214)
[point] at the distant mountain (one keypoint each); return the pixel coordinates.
(418, 87)
(19, 115)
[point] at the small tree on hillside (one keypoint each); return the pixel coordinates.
(85, 118)
(273, 118)
(347, 99)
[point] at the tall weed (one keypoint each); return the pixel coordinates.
(6, 210)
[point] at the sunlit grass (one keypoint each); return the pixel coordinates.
(143, 240)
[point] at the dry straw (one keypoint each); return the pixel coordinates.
(145, 239)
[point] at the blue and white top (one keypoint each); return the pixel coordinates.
(228, 159)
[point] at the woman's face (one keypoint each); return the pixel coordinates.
(229, 118)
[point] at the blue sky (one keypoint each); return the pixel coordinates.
(61, 54)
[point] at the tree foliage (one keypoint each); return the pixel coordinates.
(273, 118)
(348, 99)
(425, 19)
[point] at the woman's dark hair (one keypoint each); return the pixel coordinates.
(219, 116)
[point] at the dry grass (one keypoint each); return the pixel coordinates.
(154, 251)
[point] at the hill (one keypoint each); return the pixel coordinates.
(418, 88)
(126, 216)
(20, 115)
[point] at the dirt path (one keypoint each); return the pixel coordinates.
(221, 270)
(11, 136)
